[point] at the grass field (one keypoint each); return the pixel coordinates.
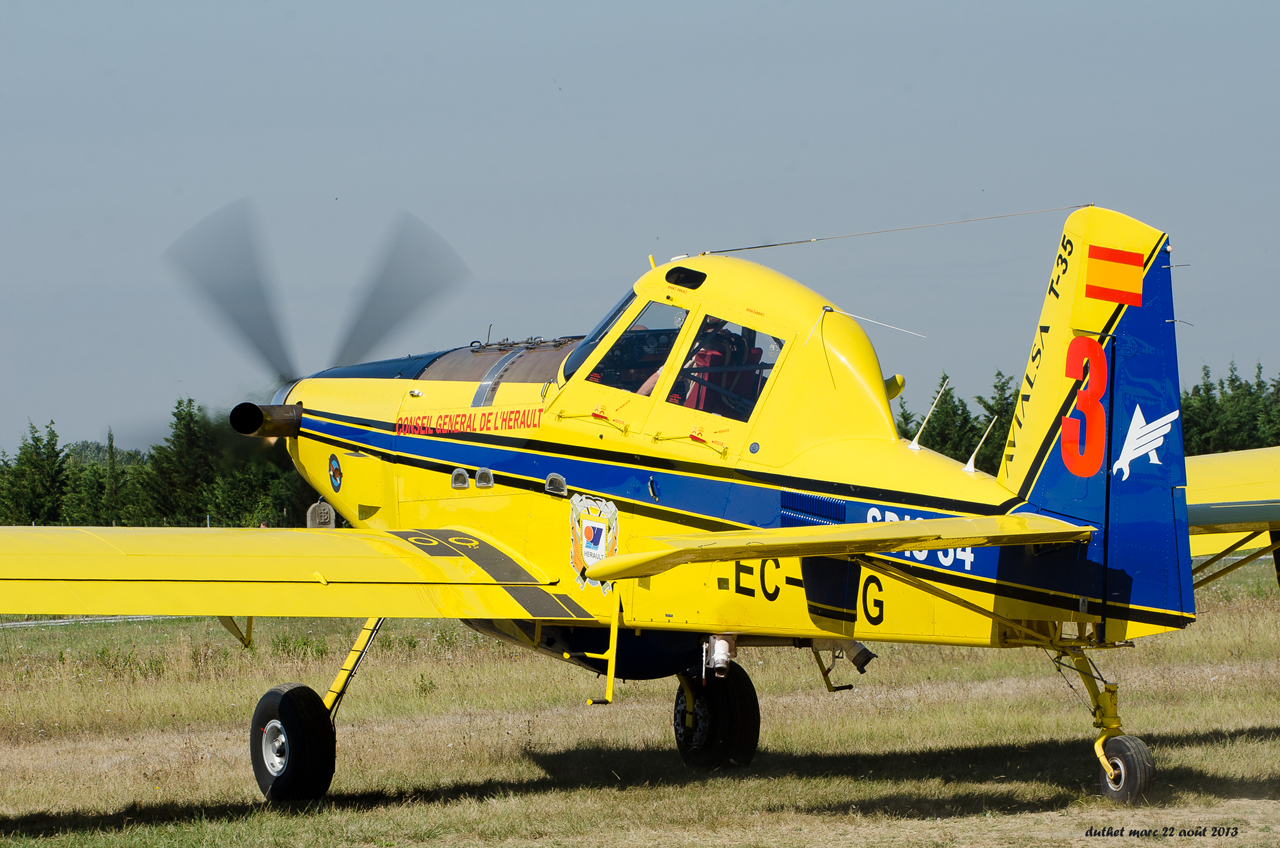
(136, 733)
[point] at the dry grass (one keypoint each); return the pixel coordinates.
(137, 733)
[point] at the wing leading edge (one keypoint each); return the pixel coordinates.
(438, 573)
(666, 552)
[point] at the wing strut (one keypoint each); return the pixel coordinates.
(245, 636)
(1222, 572)
(348, 670)
(1214, 560)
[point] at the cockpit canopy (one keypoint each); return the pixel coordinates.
(712, 334)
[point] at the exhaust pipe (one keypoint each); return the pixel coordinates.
(267, 421)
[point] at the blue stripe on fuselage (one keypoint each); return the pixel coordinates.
(698, 495)
(741, 503)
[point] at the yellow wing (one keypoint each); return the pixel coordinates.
(440, 573)
(1233, 499)
(666, 552)
(1234, 492)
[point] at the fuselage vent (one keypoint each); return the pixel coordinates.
(800, 509)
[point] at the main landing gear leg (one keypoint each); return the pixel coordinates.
(1127, 768)
(292, 742)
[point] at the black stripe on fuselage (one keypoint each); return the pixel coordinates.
(1013, 592)
(805, 484)
(371, 423)
(686, 519)
(1038, 596)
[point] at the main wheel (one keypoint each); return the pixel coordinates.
(726, 720)
(1134, 767)
(292, 744)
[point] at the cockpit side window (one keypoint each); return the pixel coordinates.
(588, 344)
(635, 361)
(725, 370)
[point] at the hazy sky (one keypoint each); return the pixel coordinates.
(555, 146)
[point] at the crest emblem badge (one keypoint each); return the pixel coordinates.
(593, 534)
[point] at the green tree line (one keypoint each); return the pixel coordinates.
(1228, 415)
(203, 473)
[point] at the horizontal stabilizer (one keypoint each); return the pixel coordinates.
(838, 540)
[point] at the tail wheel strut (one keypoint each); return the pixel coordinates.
(1127, 767)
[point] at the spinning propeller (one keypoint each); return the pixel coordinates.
(220, 257)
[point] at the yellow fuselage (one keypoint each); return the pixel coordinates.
(819, 446)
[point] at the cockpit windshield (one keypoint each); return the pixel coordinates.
(635, 361)
(588, 344)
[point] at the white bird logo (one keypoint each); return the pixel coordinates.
(1143, 438)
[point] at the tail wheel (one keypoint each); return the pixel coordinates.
(1133, 765)
(292, 744)
(726, 720)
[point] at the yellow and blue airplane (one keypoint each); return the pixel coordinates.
(715, 465)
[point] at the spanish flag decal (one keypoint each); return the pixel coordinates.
(1114, 275)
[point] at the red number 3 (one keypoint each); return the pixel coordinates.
(1087, 462)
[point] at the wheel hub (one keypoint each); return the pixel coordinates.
(275, 747)
(1118, 765)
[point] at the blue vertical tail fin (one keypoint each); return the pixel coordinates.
(1097, 433)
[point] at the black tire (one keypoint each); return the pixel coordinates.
(292, 744)
(726, 716)
(745, 736)
(1135, 769)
